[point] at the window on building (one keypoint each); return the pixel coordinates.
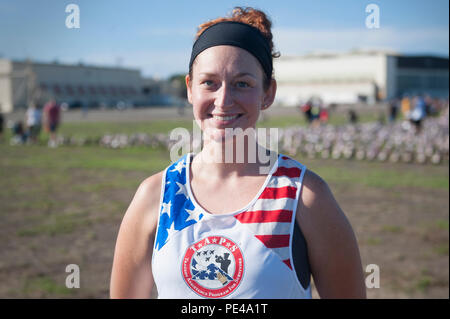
(69, 89)
(56, 89)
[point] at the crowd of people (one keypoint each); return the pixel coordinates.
(415, 108)
(411, 108)
(315, 111)
(28, 130)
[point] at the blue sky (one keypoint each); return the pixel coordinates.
(156, 36)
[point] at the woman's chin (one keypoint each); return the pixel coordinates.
(217, 135)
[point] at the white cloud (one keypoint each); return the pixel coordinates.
(291, 41)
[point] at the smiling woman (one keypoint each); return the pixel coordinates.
(208, 227)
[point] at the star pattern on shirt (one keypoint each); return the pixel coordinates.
(182, 190)
(194, 214)
(166, 208)
(177, 210)
(171, 231)
(179, 167)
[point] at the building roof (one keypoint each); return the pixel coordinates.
(422, 62)
(77, 65)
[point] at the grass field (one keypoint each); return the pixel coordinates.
(64, 206)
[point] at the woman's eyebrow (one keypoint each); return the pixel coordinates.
(244, 74)
(207, 74)
(236, 76)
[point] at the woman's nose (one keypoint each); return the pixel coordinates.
(224, 97)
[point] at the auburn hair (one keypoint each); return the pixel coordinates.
(255, 18)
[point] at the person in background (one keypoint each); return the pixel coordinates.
(418, 112)
(52, 118)
(324, 115)
(393, 110)
(316, 108)
(33, 118)
(306, 109)
(352, 116)
(2, 120)
(19, 136)
(406, 106)
(430, 106)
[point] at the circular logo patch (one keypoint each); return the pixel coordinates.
(213, 267)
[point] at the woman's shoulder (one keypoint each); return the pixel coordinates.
(150, 188)
(314, 188)
(144, 207)
(321, 220)
(317, 208)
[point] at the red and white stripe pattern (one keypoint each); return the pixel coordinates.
(271, 216)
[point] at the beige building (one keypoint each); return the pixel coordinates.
(358, 76)
(77, 85)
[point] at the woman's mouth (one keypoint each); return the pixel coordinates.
(224, 119)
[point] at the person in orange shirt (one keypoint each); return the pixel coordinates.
(406, 106)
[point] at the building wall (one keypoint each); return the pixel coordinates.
(76, 83)
(6, 103)
(346, 92)
(341, 78)
(344, 78)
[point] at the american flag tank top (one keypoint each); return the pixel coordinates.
(256, 252)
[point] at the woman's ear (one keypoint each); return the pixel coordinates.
(269, 95)
(188, 88)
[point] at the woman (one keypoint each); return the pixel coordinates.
(211, 227)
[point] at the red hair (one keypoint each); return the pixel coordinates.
(250, 16)
(255, 18)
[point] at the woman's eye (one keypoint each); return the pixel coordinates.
(242, 84)
(208, 83)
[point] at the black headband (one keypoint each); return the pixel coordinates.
(236, 34)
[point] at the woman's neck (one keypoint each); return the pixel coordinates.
(223, 160)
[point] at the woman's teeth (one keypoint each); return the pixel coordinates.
(225, 118)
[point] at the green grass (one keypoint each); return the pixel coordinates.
(373, 241)
(442, 224)
(423, 283)
(97, 129)
(335, 119)
(441, 249)
(57, 224)
(46, 285)
(88, 157)
(62, 159)
(380, 175)
(395, 229)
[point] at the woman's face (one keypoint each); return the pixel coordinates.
(226, 90)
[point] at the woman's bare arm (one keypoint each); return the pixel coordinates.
(131, 275)
(332, 247)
